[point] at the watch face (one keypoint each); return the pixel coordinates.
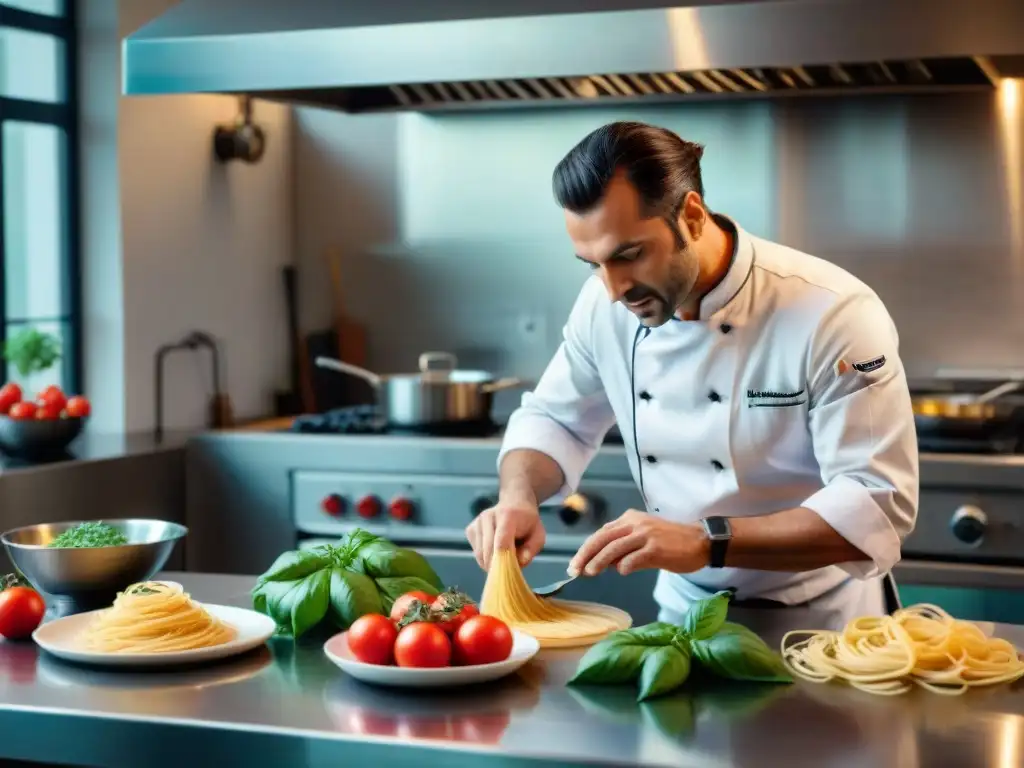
(717, 528)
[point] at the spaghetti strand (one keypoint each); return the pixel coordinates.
(151, 617)
(921, 645)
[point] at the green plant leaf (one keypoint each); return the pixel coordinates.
(309, 606)
(352, 595)
(275, 599)
(737, 653)
(32, 351)
(705, 617)
(384, 560)
(296, 564)
(664, 670)
(396, 586)
(619, 657)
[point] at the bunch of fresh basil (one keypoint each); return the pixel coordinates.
(659, 655)
(360, 574)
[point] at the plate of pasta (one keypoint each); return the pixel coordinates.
(154, 624)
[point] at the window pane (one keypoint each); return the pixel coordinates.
(34, 219)
(34, 383)
(47, 7)
(30, 64)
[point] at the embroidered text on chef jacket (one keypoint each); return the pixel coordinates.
(787, 391)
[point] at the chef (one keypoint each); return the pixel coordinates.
(765, 410)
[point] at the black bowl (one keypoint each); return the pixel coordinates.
(36, 439)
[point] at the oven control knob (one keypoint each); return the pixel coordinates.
(574, 507)
(481, 504)
(401, 508)
(368, 506)
(333, 505)
(968, 524)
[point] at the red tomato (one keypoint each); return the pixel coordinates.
(21, 611)
(52, 396)
(78, 407)
(422, 644)
(371, 638)
(48, 411)
(404, 603)
(22, 411)
(10, 393)
(483, 640)
(448, 601)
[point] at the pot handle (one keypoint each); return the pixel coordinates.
(437, 361)
(353, 370)
(500, 384)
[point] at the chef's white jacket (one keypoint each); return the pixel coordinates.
(787, 391)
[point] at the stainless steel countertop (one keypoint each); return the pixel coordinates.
(289, 706)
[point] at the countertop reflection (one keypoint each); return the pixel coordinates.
(286, 704)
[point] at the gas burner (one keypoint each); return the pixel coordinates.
(367, 420)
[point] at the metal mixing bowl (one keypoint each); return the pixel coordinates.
(96, 573)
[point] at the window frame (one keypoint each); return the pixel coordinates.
(65, 117)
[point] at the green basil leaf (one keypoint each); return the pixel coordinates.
(737, 653)
(610, 664)
(705, 617)
(357, 539)
(396, 586)
(309, 606)
(664, 670)
(352, 595)
(275, 599)
(295, 565)
(386, 561)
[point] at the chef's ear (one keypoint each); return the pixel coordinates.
(693, 215)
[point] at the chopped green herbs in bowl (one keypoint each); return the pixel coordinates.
(89, 535)
(91, 560)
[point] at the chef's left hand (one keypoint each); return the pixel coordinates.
(637, 541)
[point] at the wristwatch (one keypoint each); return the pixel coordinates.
(719, 533)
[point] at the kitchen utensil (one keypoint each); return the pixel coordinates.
(299, 396)
(37, 439)
(968, 417)
(91, 575)
(524, 648)
(352, 341)
(61, 638)
(553, 589)
(439, 395)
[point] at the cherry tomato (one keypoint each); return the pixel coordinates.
(423, 644)
(403, 603)
(52, 396)
(21, 611)
(48, 411)
(78, 407)
(371, 638)
(22, 411)
(450, 602)
(10, 393)
(483, 640)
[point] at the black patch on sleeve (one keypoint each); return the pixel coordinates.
(870, 365)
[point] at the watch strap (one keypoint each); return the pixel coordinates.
(719, 534)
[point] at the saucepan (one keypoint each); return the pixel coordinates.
(962, 416)
(440, 395)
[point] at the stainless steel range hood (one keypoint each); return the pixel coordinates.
(463, 54)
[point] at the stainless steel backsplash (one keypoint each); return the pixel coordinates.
(452, 239)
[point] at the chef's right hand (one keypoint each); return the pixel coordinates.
(504, 526)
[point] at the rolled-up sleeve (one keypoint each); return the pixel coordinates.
(567, 415)
(862, 428)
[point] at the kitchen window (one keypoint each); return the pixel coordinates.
(39, 226)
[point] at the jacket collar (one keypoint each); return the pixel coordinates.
(729, 287)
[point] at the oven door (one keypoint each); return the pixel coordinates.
(971, 591)
(456, 566)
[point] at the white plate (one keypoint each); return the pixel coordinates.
(60, 638)
(524, 648)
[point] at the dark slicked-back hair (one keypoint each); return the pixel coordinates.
(659, 164)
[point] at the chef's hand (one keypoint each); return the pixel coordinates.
(637, 541)
(502, 526)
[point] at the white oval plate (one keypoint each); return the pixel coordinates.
(60, 638)
(524, 648)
